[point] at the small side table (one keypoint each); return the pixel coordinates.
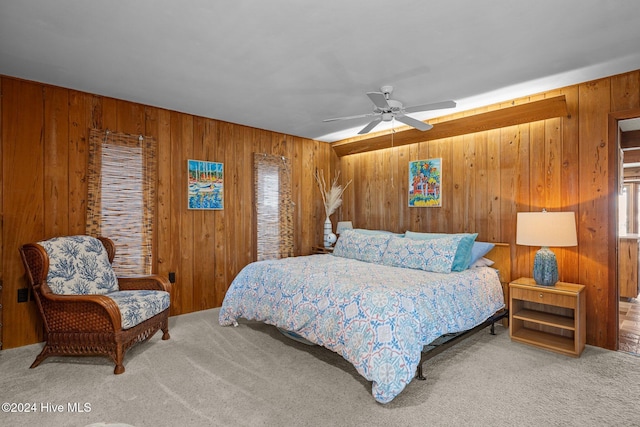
(550, 317)
(321, 250)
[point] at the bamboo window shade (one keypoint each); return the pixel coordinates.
(273, 206)
(121, 200)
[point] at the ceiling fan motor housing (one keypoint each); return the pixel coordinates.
(395, 107)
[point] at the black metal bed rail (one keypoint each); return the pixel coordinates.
(446, 341)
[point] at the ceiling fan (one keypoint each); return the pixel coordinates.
(386, 109)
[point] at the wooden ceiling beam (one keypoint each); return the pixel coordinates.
(524, 113)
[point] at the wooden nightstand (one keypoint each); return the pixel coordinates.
(321, 250)
(550, 317)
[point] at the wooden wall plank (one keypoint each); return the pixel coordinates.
(494, 167)
(568, 259)
(24, 205)
(179, 300)
(204, 134)
(594, 98)
(221, 279)
(56, 168)
(83, 115)
(404, 217)
(440, 218)
(625, 93)
(481, 199)
(187, 217)
(459, 183)
(310, 231)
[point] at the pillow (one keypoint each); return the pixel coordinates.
(482, 262)
(79, 265)
(436, 255)
(363, 247)
(479, 250)
(463, 254)
(374, 232)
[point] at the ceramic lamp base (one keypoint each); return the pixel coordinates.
(545, 267)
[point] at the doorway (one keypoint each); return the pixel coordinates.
(628, 235)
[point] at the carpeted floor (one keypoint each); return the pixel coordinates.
(208, 375)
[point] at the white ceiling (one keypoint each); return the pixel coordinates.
(286, 65)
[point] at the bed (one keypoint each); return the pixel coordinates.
(378, 300)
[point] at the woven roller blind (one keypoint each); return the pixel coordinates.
(121, 199)
(273, 206)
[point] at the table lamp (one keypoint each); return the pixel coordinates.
(343, 225)
(546, 229)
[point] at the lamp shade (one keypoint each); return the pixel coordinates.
(546, 229)
(343, 225)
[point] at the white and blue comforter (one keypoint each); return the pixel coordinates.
(375, 316)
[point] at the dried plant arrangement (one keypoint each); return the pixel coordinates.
(332, 196)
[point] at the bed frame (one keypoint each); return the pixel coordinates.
(501, 255)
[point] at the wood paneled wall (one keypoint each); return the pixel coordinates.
(487, 177)
(559, 164)
(44, 131)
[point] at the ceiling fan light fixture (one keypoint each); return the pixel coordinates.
(386, 110)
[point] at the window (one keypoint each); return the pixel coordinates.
(273, 207)
(121, 199)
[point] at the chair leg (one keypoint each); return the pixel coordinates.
(43, 355)
(165, 330)
(119, 369)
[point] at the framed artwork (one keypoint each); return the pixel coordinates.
(425, 183)
(206, 185)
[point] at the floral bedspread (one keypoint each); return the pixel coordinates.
(377, 317)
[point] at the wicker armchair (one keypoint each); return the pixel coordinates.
(85, 320)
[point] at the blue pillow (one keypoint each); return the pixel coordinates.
(463, 258)
(480, 249)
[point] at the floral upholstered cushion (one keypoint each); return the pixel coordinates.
(79, 265)
(138, 306)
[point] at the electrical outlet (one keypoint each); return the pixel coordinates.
(23, 294)
(172, 277)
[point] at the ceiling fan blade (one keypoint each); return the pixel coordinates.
(432, 106)
(370, 126)
(359, 116)
(413, 122)
(378, 99)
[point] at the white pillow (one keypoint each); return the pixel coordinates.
(482, 262)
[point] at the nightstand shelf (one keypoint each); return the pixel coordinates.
(550, 317)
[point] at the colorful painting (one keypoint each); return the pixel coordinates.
(425, 183)
(206, 185)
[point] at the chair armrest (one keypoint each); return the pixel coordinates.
(80, 312)
(153, 282)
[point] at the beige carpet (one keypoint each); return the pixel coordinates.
(208, 375)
